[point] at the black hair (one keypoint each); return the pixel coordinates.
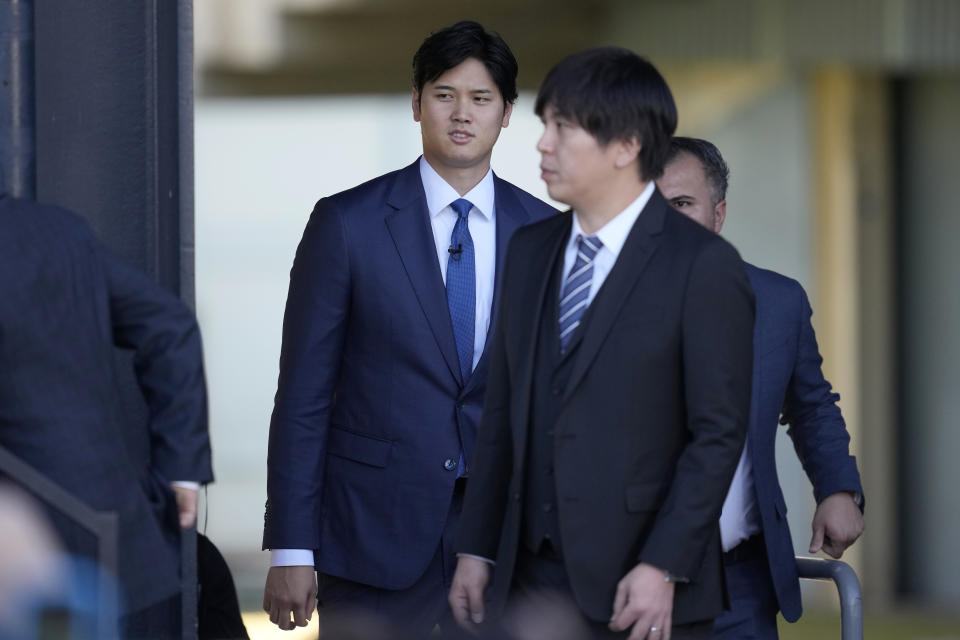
(615, 95)
(448, 47)
(716, 170)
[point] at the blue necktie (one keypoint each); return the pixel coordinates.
(576, 288)
(462, 286)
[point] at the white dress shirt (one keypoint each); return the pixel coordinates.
(482, 223)
(612, 235)
(740, 519)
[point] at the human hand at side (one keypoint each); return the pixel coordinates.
(837, 523)
(290, 591)
(466, 593)
(644, 599)
(186, 505)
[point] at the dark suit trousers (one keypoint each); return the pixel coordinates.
(753, 601)
(346, 606)
(541, 596)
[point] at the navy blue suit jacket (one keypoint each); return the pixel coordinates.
(65, 302)
(789, 387)
(370, 405)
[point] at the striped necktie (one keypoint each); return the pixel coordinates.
(576, 288)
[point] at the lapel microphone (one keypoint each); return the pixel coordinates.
(455, 252)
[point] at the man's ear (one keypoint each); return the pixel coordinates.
(628, 151)
(507, 110)
(719, 215)
(416, 105)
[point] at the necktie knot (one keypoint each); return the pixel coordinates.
(588, 246)
(461, 207)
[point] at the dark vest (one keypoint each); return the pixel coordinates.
(550, 375)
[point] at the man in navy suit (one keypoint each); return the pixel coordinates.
(383, 363)
(65, 304)
(788, 385)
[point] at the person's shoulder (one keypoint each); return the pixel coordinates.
(773, 282)
(689, 236)
(379, 189)
(49, 219)
(545, 227)
(536, 208)
(674, 222)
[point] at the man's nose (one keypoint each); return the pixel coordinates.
(545, 143)
(462, 112)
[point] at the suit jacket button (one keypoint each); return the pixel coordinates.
(516, 497)
(547, 507)
(449, 464)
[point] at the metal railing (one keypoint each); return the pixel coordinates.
(189, 593)
(848, 588)
(102, 524)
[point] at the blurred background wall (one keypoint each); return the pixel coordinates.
(840, 121)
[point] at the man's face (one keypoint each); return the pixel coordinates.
(576, 168)
(460, 115)
(684, 184)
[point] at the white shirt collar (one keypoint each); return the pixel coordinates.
(614, 233)
(440, 194)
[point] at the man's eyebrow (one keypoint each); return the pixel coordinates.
(446, 87)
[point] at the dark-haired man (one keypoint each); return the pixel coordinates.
(619, 384)
(758, 552)
(383, 365)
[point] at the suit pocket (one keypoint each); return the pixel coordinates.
(359, 448)
(643, 497)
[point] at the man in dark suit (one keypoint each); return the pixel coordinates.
(619, 386)
(383, 364)
(65, 303)
(788, 387)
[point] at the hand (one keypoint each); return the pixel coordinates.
(837, 524)
(466, 593)
(645, 600)
(290, 590)
(186, 505)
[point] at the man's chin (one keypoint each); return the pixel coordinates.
(466, 160)
(557, 194)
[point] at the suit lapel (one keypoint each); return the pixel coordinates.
(409, 226)
(510, 216)
(641, 244)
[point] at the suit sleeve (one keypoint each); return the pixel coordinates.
(485, 503)
(168, 362)
(314, 325)
(817, 428)
(717, 352)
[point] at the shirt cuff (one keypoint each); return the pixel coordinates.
(291, 558)
(186, 484)
(480, 558)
